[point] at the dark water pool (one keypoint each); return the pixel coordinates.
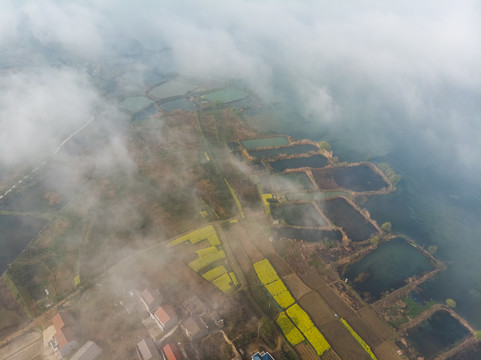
(357, 178)
(179, 104)
(386, 269)
(141, 115)
(436, 334)
(286, 150)
(298, 214)
(265, 142)
(342, 214)
(314, 161)
(294, 181)
(15, 233)
(310, 235)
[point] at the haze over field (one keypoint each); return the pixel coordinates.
(382, 80)
(381, 64)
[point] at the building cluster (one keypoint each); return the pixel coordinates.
(65, 340)
(197, 319)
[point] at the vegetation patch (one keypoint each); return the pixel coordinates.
(292, 334)
(214, 273)
(359, 339)
(265, 272)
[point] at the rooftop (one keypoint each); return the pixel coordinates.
(195, 306)
(64, 336)
(89, 351)
(171, 352)
(165, 313)
(147, 350)
(62, 319)
(150, 296)
(262, 356)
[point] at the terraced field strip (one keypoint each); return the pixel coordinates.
(206, 233)
(359, 339)
(260, 240)
(208, 256)
(330, 355)
(236, 251)
(337, 304)
(292, 334)
(306, 352)
(236, 199)
(274, 285)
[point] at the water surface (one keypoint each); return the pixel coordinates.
(386, 269)
(342, 214)
(314, 161)
(436, 334)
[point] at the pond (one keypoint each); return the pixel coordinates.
(386, 269)
(15, 234)
(226, 95)
(314, 161)
(342, 214)
(470, 352)
(299, 214)
(314, 195)
(295, 181)
(134, 104)
(141, 115)
(179, 104)
(285, 150)
(357, 178)
(436, 334)
(309, 235)
(265, 142)
(172, 88)
(49, 189)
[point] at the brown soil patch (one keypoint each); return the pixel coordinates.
(296, 286)
(306, 352)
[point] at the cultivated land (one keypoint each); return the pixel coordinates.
(187, 218)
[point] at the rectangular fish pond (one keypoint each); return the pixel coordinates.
(265, 142)
(134, 104)
(313, 161)
(386, 269)
(309, 235)
(357, 178)
(285, 150)
(172, 88)
(226, 95)
(299, 215)
(179, 104)
(294, 181)
(342, 214)
(436, 334)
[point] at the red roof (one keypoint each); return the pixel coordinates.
(171, 352)
(61, 319)
(64, 336)
(165, 313)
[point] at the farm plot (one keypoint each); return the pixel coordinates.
(208, 258)
(304, 323)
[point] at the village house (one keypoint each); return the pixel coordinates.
(195, 306)
(171, 352)
(147, 350)
(195, 327)
(65, 339)
(262, 356)
(165, 317)
(151, 299)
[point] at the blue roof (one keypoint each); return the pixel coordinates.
(262, 356)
